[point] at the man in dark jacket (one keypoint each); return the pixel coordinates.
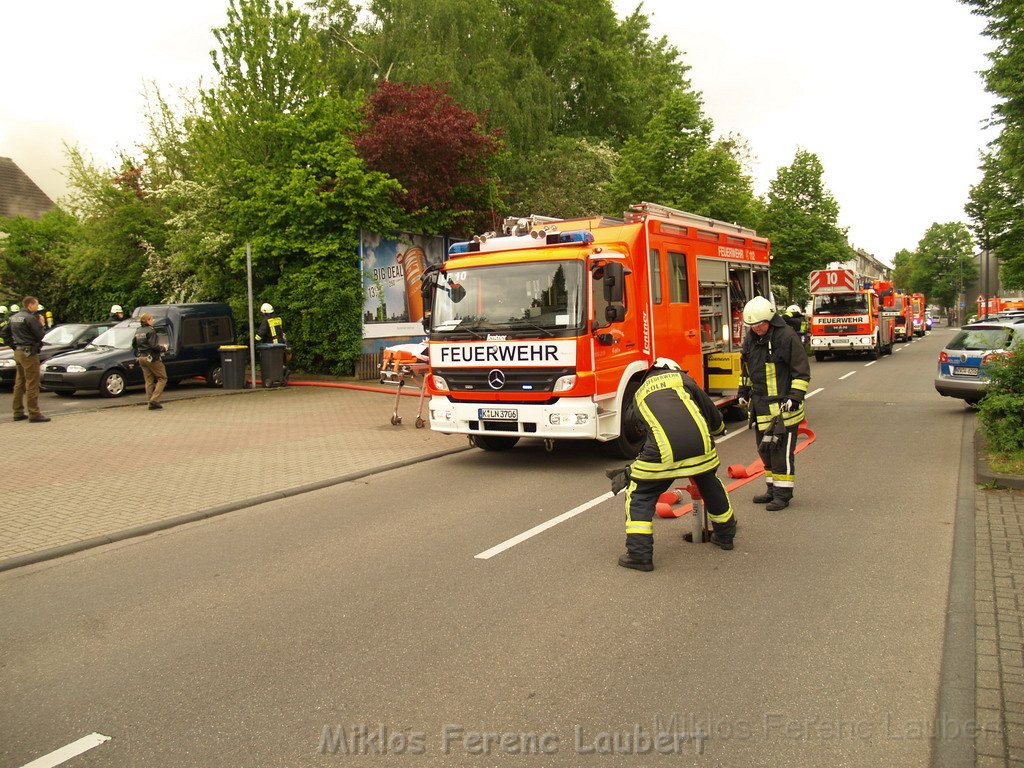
(774, 378)
(27, 339)
(147, 351)
(680, 420)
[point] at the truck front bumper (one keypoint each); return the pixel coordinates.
(570, 418)
(842, 343)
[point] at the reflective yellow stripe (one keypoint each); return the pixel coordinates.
(722, 518)
(770, 380)
(649, 470)
(664, 448)
(800, 385)
(641, 527)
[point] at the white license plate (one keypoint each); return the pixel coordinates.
(961, 370)
(498, 414)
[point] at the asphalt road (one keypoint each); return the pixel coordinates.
(328, 628)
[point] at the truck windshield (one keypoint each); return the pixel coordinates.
(517, 299)
(841, 304)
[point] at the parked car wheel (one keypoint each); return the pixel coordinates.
(112, 384)
(214, 376)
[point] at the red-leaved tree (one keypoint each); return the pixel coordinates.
(438, 151)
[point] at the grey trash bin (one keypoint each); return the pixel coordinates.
(232, 365)
(272, 364)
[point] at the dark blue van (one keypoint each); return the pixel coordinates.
(192, 333)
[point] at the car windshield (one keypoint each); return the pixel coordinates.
(528, 297)
(119, 337)
(841, 304)
(981, 339)
(63, 334)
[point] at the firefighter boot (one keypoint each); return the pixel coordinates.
(780, 500)
(764, 498)
(639, 551)
(724, 533)
(636, 563)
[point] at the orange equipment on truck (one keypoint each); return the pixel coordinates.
(847, 315)
(917, 304)
(546, 330)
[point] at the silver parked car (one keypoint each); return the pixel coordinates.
(961, 367)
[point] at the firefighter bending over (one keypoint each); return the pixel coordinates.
(680, 420)
(774, 378)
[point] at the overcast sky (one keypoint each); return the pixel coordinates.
(887, 94)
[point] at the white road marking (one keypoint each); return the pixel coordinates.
(871, 363)
(846, 376)
(65, 753)
(509, 543)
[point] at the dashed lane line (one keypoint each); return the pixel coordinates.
(846, 376)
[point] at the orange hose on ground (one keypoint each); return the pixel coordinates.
(745, 473)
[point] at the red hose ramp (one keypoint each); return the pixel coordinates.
(747, 473)
(360, 387)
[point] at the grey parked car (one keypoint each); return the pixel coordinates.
(63, 338)
(961, 367)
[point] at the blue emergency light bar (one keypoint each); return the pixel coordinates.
(573, 237)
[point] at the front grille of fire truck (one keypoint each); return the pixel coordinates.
(840, 329)
(517, 380)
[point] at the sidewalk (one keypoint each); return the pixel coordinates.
(79, 483)
(86, 479)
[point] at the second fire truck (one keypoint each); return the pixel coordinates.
(847, 315)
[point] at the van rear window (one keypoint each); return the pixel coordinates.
(206, 330)
(981, 339)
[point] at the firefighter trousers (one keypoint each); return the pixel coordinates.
(641, 503)
(779, 458)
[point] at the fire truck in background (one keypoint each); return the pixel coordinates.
(847, 316)
(547, 329)
(996, 304)
(896, 305)
(917, 303)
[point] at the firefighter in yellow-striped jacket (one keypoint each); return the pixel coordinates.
(775, 374)
(681, 421)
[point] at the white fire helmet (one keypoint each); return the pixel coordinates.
(115, 309)
(15, 308)
(3, 309)
(793, 308)
(667, 363)
(757, 310)
(266, 309)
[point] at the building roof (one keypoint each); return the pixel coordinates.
(19, 195)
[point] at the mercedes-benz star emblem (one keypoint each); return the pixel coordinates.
(496, 379)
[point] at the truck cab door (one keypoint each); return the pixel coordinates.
(614, 324)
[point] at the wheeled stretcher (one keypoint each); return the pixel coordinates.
(401, 363)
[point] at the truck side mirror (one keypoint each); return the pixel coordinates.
(614, 313)
(614, 281)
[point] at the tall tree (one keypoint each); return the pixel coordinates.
(675, 161)
(997, 219)
(801, 219)
(999, 199)
(903, 265)
(567, 179)
(944, 263)
(32, 255)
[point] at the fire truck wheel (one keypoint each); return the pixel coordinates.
(819, 356)
(494, 442)
(631, 435)
(874, 353)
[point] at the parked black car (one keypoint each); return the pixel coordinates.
(192, 334)
(63, 338)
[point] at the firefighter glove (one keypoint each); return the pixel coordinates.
(742, 402)
(619, 477)
(788, 405)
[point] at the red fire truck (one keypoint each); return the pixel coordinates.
(896, 305)
(917, 303)
(847, 315)
(546, 329)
